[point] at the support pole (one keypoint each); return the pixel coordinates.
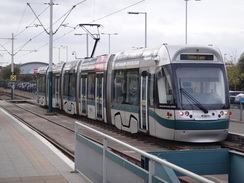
(50, 74)
(12, 67)
(240, 108)
(105, 146)
(186, 24)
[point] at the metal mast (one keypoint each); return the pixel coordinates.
(50, 73)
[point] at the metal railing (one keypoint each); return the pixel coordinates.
(152, 159)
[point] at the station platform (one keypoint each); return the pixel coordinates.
(26, 157)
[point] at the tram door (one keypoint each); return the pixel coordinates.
(83, 95)
(144, 101)
(99, 95)
(56, 92)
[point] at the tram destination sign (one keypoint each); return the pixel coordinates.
(196, 57)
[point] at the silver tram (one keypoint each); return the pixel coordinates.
(171, 92)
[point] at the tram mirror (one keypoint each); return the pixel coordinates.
(144, 73)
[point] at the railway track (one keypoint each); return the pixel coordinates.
(58, 128)
(20, 96)
(37, 118)
(5, 94)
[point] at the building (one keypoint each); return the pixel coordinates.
(31, 67)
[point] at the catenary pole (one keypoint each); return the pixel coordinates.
(50, 74)
(12, 66)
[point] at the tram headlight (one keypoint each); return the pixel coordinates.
(185, 113)
(181, 113)
(222, 113)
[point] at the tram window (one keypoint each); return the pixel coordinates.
(206, 88)
(53, 85)
(41, 83)
(91, 86)
(126, 86)
(66, 84)
(151, 89)
(119, 86)
(99, 86)
(83, 86)
(165, 94)
(132, 86)
(69, 85)
(72, 86)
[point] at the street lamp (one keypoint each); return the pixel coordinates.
(109, 34)
(64, 46)
(186, 20)
(145, 13)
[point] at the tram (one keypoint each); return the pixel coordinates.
(171, 92)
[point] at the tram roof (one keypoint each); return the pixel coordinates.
(168, 53)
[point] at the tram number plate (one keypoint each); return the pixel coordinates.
(205, 115)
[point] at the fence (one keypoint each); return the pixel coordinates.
(99, 164)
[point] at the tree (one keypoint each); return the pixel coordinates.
(240, 64)
(7, 72)
(26, 77)
(233, 75)
(236, 74)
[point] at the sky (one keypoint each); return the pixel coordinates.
(216, 22)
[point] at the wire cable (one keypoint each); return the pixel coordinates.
(68, 12)
(21, 20)
(118, 11)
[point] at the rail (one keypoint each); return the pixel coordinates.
(152, 158)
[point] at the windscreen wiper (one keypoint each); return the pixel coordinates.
(195, 101)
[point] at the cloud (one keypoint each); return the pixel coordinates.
(209, 22)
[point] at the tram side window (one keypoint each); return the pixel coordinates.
(66, 84)
(126, 86)
(132, 86)
(91, 86)
(119, 86)
(53, 85)
(151, 89)
(41, 83)
(73, 84)
(164, 88)
(69, 85)
(83, 86)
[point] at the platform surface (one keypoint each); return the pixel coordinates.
(25, 157)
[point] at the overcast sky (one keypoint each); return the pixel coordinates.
(216, 22)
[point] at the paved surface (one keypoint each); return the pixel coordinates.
(237, 120)
(25, 157)
(236, 127)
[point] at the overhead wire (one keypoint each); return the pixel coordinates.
(18, 33)
(32, 21)
(37, 17)
(45, 30)
(103, 17)
(21, 20)
(118, 11)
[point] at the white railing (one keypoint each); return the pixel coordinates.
(152, 158)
